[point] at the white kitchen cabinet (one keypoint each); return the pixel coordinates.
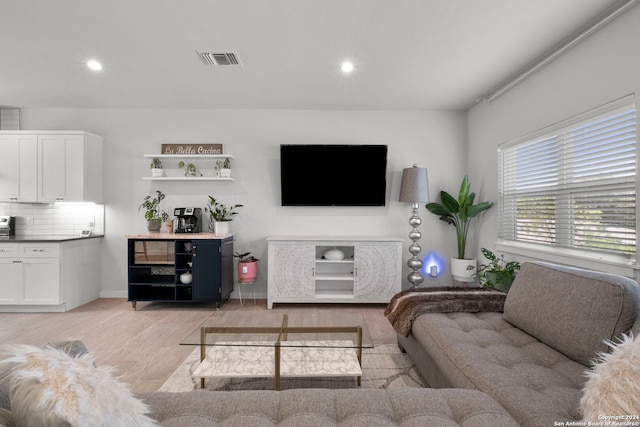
(18, 167)
(52, 166)
(10, 283)
(49, 276)
(370, 271)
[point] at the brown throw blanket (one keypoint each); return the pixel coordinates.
(407, 305)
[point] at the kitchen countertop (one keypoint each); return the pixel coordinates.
(45, 238)
(179, 236)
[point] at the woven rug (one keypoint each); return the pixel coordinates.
(384, 366)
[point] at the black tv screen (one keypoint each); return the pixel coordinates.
(333, 175)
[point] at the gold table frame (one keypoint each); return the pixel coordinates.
(283, 330)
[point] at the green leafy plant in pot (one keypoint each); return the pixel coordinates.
(156, 168)
(499, 273)
(154, 216)
(247, 267)
(459, 213)
(220, 215)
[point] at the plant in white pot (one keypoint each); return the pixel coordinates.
(459, 213)
(156, 168)
(247, 267)
(154, 216)
(224, 168)
(220, 215)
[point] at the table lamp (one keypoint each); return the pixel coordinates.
(414, 189)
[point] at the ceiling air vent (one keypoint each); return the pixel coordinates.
(219, 58)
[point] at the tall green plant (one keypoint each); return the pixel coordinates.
(459, 212)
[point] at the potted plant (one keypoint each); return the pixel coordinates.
(499, 273)
(156, 168)
(220, 215)
(459, 213)
(189, 169)
(247, 267)
(224, 168)
(152, 213)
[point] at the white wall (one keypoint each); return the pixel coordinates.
(602, 68)
(433, 139)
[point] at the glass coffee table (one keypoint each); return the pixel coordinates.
(276, 345)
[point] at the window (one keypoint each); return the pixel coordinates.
(572, 187)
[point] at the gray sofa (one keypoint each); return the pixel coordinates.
(409, 407)
(532, 358)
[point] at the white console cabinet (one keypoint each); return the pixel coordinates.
(370, 271)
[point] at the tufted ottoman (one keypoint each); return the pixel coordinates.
(409, 407)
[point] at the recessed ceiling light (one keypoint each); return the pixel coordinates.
(94, 65)
(347, 67)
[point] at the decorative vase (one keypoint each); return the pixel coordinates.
(464, 270)
(247, 271)
(186, 278)
(334, 254)
(154, 224)
(221, 227)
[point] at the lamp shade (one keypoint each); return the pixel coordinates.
(415, 185)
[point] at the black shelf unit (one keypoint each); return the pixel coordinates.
(155, 266)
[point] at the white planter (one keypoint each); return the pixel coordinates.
(156, 172)
(464, 270)
(225, 173)
(221, 227)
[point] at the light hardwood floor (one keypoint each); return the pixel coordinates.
(143, 345)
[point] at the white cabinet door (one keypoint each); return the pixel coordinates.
(18, 168)
(41, 281)
(52, 163)
(376, 271)
(10, 283)
(291, 270)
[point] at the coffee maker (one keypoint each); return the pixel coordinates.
(7, 225)
(188, 220)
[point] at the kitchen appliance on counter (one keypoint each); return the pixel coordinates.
(187, 220)
(7, 225)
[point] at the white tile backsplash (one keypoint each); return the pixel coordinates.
(58, 219)
(9, 119)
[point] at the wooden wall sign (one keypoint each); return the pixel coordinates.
(191, 149)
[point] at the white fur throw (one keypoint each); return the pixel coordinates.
(51, 388)
(613, 385)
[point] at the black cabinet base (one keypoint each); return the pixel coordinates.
(155, 267)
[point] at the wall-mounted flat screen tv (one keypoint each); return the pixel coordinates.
(333, 175)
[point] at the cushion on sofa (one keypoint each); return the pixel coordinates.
(570, 309)
(50, 388)
(409, 407)
(613, 385)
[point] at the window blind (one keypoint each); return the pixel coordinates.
(573, 185)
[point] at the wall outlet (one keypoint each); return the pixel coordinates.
(29, 220)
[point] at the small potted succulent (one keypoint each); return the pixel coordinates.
(499, 273)
(154, 216)
(224, 168)
(220, 215)
(247, 267)
(156, 168)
